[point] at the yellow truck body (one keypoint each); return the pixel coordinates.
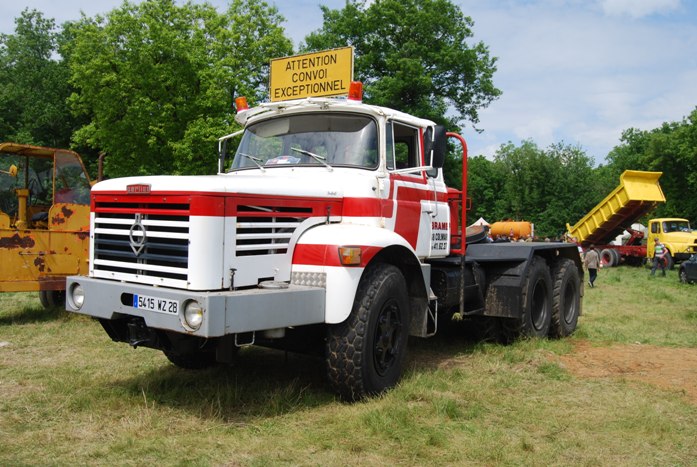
(676, 235)
(637, 194)
(44, 219)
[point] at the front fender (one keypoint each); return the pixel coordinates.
(316, 257)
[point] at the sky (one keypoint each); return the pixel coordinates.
(577, 72)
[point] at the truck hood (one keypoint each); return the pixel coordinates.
(306, 182)
(681, 237)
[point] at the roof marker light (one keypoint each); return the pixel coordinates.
(355, 91)
(241, 104)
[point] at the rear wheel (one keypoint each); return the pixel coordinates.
(607, 258)
(566, 298)
(536, 304)
(366, 353)
(616, 256)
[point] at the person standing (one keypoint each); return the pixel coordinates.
(659, 257)
(592, 261)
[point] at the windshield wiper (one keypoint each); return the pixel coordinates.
(318, 158)
(256, 160)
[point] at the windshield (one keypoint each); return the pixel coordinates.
(309, 140)
(57, 179)
(676, 226)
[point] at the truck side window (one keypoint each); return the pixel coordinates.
(389, 146)
(654, 227)
(403, 152)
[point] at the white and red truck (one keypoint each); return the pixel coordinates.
(331, 226)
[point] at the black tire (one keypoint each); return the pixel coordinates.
(617, 257)
(192, 360)
(366, 352)
(683, 276)
(536, 304)
(566, 298)
(669, 263)
(51, 299)
(607, 258)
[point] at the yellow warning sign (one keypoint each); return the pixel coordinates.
(326, 73)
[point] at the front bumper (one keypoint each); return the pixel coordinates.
(225, 312)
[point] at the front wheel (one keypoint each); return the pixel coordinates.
(683, 276)
(52, 299)
(366, 353)
(668, 261)
(192, 360)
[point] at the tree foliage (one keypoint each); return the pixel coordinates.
(151, 84)
(414, 56)
(33, 84)
(671, 149)
(156, 80)
(549, 187)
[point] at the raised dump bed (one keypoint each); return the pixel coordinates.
(637, 194)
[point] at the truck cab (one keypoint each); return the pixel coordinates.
(677, 236)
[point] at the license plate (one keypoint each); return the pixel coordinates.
(161, 305)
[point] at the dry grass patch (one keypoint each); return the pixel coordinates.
(71, 396)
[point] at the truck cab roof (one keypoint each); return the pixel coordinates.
(318, 104)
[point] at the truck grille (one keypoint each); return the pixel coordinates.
(266, 230)
(142, 238)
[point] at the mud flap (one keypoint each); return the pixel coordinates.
(425, 323)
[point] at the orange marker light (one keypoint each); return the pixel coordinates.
(355, 91)
(350, 255)
(241, 104)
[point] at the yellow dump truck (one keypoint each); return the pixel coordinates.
(637, 194)
(44, 219)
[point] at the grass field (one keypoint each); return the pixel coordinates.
(71, 396)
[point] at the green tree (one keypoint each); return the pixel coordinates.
(573, 190)
(34, 84)
(670, 149)
(549, 188)
(414, 56)
(157, 80)
(484, 188)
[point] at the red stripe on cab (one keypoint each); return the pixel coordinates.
(328, 255)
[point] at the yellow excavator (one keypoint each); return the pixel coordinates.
(44, 220)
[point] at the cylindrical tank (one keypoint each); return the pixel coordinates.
(512, 229)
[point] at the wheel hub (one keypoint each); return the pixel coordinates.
(387, 335)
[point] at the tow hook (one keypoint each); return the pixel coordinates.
(138, 334)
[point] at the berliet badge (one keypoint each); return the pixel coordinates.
(137, 235)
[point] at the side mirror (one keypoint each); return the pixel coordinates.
(428, 145)
(440, 147)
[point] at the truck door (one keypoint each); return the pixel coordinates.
(654, 231)
(416, 209)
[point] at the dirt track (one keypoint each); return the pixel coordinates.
(667, 368)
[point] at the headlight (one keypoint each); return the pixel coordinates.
(77, 296)
(193, 314)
